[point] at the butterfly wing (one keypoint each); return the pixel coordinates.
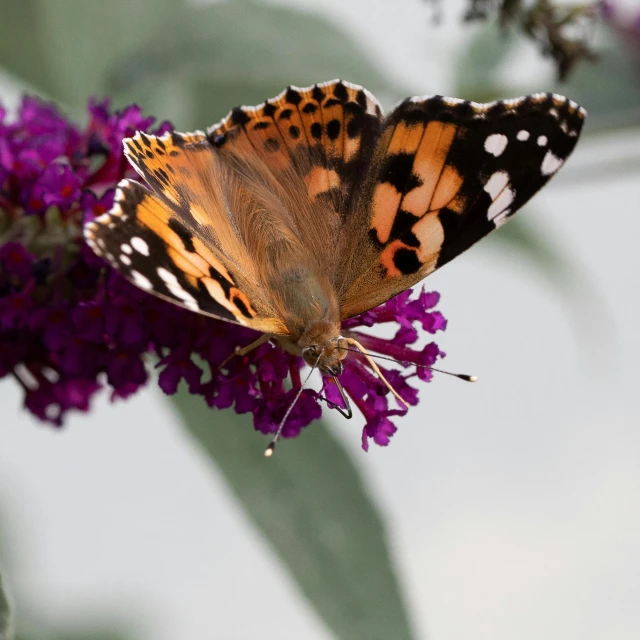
(444, 174)
(167, 240)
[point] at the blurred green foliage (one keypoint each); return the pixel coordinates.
(312, 506)
(88, 633)
(188, 63)
(5, 614)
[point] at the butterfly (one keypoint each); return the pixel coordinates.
(313, 207)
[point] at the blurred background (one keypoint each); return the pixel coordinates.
(506, 509)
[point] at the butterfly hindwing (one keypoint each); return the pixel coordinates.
(140, 239)
(446, 173)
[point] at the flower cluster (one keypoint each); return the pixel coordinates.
(70, 325)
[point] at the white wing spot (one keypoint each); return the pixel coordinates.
(542, 141)
(500, 204)
(496, 183)
(495, 144)
(125, 260)
(523, 135)
(501, 218)
(550, 164)
(502, 196)
(140, 245)
(176, 289)
(125, 248)
(191, 304)
(183, 295)
(142, 281)
(167, 276)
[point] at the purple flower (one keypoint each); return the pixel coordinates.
(15, 262)
(57, 185)
(178, 366)
(70, 325)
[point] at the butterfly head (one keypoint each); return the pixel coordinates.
(322, 346)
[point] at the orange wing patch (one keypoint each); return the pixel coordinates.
(413, 184)
(439, 183)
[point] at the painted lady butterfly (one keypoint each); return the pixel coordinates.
(313, 207)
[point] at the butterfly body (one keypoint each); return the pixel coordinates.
(295, 215)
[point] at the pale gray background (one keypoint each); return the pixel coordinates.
(512, 505)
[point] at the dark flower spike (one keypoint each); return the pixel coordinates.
(70, 325)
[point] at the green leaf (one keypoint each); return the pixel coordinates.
(6, 624)
(311, 505)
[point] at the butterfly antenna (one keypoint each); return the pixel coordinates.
(461, 376)
(375, 367)
(268, 452)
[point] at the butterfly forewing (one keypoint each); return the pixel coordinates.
(445, 173)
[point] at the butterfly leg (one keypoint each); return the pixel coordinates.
(242, 351)
(375, 367)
